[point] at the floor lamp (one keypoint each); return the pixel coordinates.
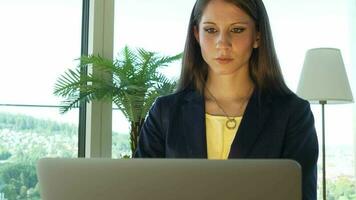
(324, 81)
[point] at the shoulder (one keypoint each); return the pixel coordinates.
(176, 98)
(165, 108)
(290, 108)
(296, 112)
(290, 102)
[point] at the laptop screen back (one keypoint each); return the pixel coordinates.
(176, 179)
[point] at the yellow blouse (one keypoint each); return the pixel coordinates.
(219, 137)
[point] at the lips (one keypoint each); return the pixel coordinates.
(224, 60)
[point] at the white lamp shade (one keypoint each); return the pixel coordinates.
(324, 77)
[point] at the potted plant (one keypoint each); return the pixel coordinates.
(133, 85)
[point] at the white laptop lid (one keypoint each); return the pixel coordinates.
(183, 179)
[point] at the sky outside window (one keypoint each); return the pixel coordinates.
(39, 40)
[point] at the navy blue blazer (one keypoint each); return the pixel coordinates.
(272, 127)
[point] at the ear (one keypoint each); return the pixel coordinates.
(256, 43)
(196, 33)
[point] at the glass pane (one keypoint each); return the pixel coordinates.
(39, 40)
(156, 25)
(27, 134)
(322, 24)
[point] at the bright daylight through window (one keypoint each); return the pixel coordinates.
(322, 24)
(39, 39)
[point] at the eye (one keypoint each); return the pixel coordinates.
(210, 30)
(237, 30)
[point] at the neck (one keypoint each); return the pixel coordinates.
(232, 87)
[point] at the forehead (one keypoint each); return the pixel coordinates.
(221, 11)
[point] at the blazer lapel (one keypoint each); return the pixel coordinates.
(194, 125)
(255, 115)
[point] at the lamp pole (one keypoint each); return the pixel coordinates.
(323, 147)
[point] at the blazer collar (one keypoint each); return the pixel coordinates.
(193, 110)
(254, 118)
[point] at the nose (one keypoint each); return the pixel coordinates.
(223, 42)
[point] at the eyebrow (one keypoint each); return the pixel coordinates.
(240, 22)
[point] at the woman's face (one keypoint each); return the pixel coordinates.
(226, 35)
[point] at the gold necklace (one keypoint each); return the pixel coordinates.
(231, 121)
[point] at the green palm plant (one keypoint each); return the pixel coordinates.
(133, 85)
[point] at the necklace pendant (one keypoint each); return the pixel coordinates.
(231, 124)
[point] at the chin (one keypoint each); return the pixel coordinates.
(225, 70)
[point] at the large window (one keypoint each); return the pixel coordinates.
(298, 26)
(39, 40)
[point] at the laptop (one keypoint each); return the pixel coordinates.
(168, 179)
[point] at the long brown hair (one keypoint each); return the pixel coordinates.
(264, 68)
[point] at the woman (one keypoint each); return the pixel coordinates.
(232, 101)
